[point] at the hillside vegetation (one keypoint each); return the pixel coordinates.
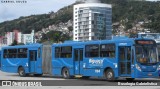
(126, 12)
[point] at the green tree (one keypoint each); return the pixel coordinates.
(20, 44)
(128, 26)
(14, 43)
(70, 28)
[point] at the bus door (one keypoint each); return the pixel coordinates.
(125, 61)
(33, 59)
(78, 58)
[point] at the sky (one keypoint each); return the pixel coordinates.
(10, 11)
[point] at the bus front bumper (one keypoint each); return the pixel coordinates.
(147, 74)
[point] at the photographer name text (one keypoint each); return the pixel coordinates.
(13, 1)
(137, 84)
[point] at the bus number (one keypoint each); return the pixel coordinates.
(97, 71)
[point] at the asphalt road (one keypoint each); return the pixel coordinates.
(58, 82)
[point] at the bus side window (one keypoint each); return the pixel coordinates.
(92, 51)
(66, 52)
(22, 52)
(57, 52)
(5, 53)
(12, 53)
(107, 50)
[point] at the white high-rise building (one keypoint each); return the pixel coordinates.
(28, 38)
(92, 21)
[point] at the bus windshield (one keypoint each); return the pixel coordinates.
(149, 35)
(146, 54)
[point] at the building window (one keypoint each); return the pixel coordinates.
(92, 51)
(80, 15)
(87, 18)
(81, 11)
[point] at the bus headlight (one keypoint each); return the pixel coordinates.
(138, 68)
(158, 68)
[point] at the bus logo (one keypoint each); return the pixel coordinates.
(96, 62)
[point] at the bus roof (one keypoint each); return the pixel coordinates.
(128, 40)
(23, 46)
(148, 33)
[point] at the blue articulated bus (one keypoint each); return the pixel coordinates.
(112, 59)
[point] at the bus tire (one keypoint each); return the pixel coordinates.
(65, 73)
(109, 75)
(21, 72)
(38, 75)
(85, 77)
(130, 79)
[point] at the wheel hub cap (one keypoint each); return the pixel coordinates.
(109, 75)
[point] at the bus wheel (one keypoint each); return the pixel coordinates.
(130, 79)
(21, 72)
(109, 74)
(38, 75)
(65, 73)
(85, 77)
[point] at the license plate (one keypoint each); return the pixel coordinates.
(149, 74)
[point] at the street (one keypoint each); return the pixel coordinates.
(59, 82)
